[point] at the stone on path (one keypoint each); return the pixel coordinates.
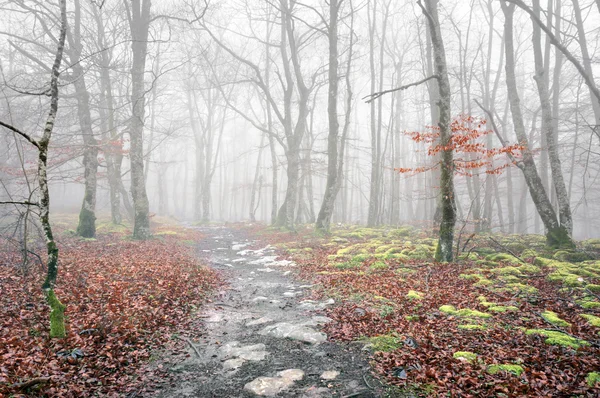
(234, 349)
(293, 331)
(259, 321)
(271, 386)
(330, 375)
(232, 364)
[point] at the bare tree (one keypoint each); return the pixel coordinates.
(139, 21)
(57, 321)
(444, 250)
(556, 234)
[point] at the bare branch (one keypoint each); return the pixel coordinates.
(372, 97)
(30, 139)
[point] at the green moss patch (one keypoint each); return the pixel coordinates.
(592, 378)
(592, 319)
(385, 343)
(553, 318)
(464, 313)
(558, 338)
(414, 295)
(465, 356)
(471, 326)
(517, 370)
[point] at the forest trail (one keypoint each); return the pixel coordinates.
(262, 334)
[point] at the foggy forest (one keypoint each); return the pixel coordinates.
(300, 198)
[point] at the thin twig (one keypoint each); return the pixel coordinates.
(30, 383)
(190, 344)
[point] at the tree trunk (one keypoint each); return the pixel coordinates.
(444, 250)
(332, 187)
(139, 23)
(565, 217)
(87, 215)
(556, 234)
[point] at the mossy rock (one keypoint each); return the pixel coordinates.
(517, 370)
(465, 356)
(558, 338)
(554, 319)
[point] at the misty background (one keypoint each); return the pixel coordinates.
(229, 85)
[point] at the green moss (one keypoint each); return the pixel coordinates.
(592, 378)
(348, 265)
(553, 318)
(589, 304)
(57, 316)
(471, 327)
(566, 278)
(517, 370)
(520, 288)
(510, 270)
(502, 308)
(386, 342)
(592, 319)
(411, 318)
(378, 265)
(558, 338)
(593, 244)
(465, 312)
(402, 231)
(448, 309)
(469, 313)
(466, 356)
(414, 295)
(167, 233)
(529, 268)
(504, 258)
(593, 288)
(509, 279)
(571, 256)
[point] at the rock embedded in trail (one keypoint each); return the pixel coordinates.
(330, 375)
(293, 331)
(271, 386)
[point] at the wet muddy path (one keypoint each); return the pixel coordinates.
(262, 335)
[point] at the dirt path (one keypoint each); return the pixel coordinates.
(262, 335)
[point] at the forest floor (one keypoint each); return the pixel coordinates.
(509, 318)
(244, 310)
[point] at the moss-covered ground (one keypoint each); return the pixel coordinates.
(528, 316)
